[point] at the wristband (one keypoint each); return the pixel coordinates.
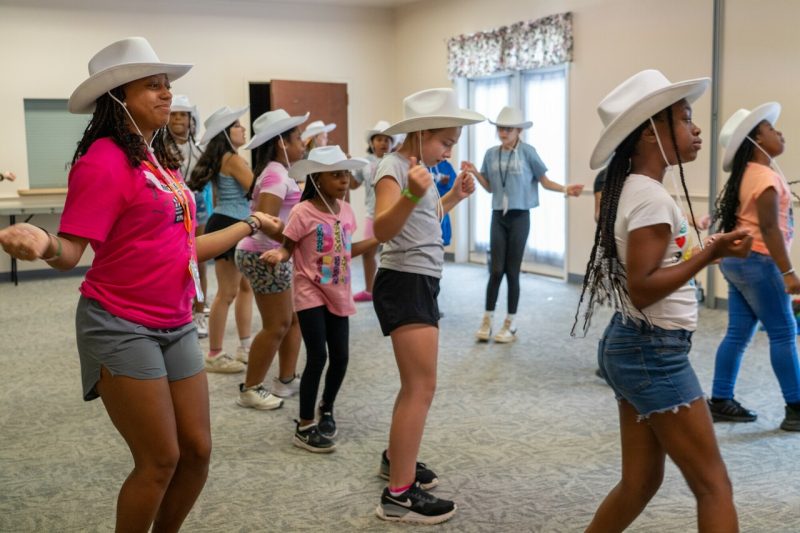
(790, 271)
(411, 196)
(59, 247)
(254, 224)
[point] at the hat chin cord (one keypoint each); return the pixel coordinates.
(125, 108)
(439, 206)
(670, 171)
(772, 161)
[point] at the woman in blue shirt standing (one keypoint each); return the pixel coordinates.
(512, 172)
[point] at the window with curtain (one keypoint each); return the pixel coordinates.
(542, 95)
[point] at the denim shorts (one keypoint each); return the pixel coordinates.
(128, 349)
(648, 366)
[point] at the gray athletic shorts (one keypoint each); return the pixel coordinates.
(125, 348)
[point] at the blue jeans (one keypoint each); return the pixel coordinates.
(756, 293)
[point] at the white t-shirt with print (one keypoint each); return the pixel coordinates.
(645, 202)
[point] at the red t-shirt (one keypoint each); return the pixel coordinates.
(135, 226)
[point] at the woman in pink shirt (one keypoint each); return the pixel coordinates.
(757, 198)
(318, 236)
(136, 340)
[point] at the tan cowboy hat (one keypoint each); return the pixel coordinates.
(272, 123)
(432, 109)
(325, 159)
(377, 129)
(117, 64)
(740, 124)
(512, 117)
(219, 120)
(633, 102)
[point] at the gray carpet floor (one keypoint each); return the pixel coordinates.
(524, 436)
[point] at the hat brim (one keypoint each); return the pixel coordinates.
(276, 128)
(373, 133)
(221, 123)
(522, 125)
(633, 117)
(83, 98)
(432, 122)
(306, 135)
(304, 167)
(769, 112)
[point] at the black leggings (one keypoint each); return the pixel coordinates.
(319, 326)
(507, 239)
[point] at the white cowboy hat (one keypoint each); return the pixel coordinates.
(325, 159)
(315, 128)
(633, 102)
(117, 64)
(431, 109)
(377, 129)
(272, 123)
(740, 124)
(219, 120)
(511, 117)
(180, 102)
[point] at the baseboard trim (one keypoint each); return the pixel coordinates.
(43, 273)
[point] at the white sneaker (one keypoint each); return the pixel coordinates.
(285, 390)
(223, 364)
(485, 331)
(200, 323)
(257, 398)
(507, 333)
(242, 354)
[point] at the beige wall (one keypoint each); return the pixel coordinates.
(385, 55)
(45, 52)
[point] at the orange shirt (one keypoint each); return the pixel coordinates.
(758, 178)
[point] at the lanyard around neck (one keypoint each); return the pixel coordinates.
(504, 175)
(178, 192)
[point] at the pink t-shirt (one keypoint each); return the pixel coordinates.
(135, 226)
(322, 257)
(758, 178)
(273, 180)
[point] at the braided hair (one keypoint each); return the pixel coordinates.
(727, 203)
(207, 167)
(605, 279)
(110, 120)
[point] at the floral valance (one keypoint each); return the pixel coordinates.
(522, 46)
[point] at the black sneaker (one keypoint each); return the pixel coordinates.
(792, 420)
(426, 478)
(326, 424)
(310, 439)
(414, 505)
(729, 410)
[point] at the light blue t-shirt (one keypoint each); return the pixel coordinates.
(521, 169)
(231, 200)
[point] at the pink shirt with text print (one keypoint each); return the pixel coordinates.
(322, 257)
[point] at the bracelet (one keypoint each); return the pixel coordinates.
(59, 247)
(254, 223)
(411, 196)
(790, 271)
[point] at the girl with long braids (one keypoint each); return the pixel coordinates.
(277, 136)
(757, 198)
(231, 178)
(137, 345)
(639, 265)
(181, 129)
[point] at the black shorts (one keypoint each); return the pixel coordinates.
(402, 298)
(217, 222)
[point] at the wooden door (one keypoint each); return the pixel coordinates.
(325, 101)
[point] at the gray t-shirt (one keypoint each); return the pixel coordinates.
(418, 247)
(365, 176)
